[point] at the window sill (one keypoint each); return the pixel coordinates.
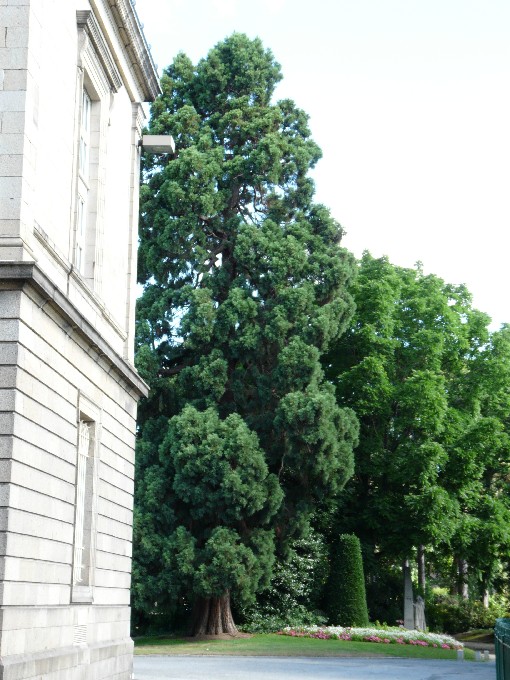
(82, 595)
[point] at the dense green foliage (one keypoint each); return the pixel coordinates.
(245, 287)
(294, 593)
(452, 614)
(431, 388)
(395, 367)
(208, 469)
(346, 601)
(479, 461)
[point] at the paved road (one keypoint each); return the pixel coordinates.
(263, 668)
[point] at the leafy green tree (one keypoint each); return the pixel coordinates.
(245, 287)
(398, 367)
(479, 462)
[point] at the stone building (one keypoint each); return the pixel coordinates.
(72, 76)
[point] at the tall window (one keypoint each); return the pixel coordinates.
(86, 106)
(80, 537)
(85, 503)
(97, 81)
(81, 226)
(83, 182)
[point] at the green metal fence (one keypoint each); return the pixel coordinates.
(502, 639)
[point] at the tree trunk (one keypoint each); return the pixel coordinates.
(408, 597)
(421, 569)
(213, 616)
(485, 590)
(462, 588)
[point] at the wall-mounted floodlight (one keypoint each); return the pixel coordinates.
(158, 143)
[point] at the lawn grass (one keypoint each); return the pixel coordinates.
(280, 645)
(477, 635)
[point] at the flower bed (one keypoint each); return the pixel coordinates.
(398, 636)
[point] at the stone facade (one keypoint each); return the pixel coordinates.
(72, 76)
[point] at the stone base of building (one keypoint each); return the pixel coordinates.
(73, 642)
(105, 661)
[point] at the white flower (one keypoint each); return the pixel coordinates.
(391, 633)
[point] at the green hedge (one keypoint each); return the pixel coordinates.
(346, 602)
(451, 614)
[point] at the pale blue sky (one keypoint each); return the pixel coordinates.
(409, 101)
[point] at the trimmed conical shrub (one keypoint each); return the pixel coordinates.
(346, 601)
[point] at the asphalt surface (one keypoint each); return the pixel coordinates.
(278, 668)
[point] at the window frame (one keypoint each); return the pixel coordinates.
(88, 415)
(98, 80)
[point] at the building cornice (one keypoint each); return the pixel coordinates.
(71, 272)
(30, 273)
(86, 21)
(135, 44)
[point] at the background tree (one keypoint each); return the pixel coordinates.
(245, 287)
(402, 367)
(479, 466)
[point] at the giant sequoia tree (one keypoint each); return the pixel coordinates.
(245, 287)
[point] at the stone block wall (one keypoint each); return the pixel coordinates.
(67, 335)
(46, 367)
